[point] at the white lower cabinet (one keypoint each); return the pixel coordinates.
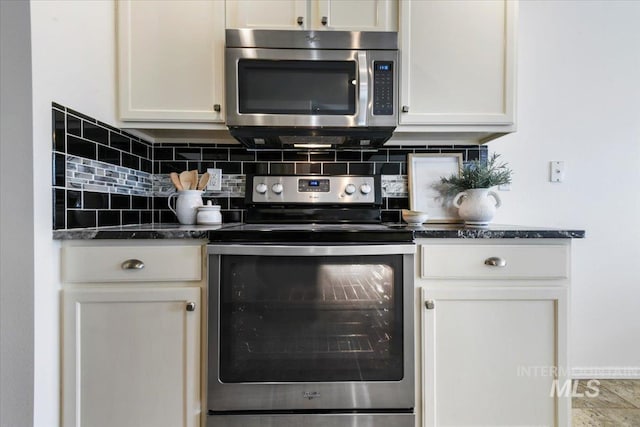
(131, 351)
(494, 348)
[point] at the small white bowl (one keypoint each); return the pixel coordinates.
(414, 217)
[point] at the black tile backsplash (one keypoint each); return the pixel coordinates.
(120, 142)
(91, 200)
(95, 133)
(74, 126)
(120, 201)
(335, 168)
(105, 176)
(97, 171)
(108, 155)
(283, 168)
(59, 133)
(80, 147)
(109, 218)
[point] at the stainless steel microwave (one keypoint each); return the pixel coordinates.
(311, 89)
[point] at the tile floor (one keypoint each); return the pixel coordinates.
(617, 404)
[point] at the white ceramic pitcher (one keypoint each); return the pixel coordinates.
(187, 204)
(475, 207)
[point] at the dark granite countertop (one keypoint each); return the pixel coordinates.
(495, 231)
(440, 231)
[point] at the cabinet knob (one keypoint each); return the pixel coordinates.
(191, 306)
(132, 264)
(300, 20)
(430, 304)
(495, 261)
(216, 107)
(324, 20)
(405, 108)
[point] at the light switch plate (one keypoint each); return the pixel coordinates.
(215, 179)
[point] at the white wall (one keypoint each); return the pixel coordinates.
(16, 218)
(73, 46)
(579, 101)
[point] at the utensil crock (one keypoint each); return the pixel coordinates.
(186, 205)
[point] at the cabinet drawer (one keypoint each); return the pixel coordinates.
(89, 264)
(458, 261)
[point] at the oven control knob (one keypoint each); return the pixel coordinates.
(365, 189)
(261, 188)
(277, 188)
(350, 189)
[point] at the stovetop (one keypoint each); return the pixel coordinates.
(312, 233)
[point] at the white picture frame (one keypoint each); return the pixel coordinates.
(424, 173)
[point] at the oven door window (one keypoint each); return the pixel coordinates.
(311, 319)
(296, 87)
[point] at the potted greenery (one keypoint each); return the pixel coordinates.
(472, 188)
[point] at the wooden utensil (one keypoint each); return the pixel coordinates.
(176, 181)
(186, 179)
(204, 180)
(194, 179)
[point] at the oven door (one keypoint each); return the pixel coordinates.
(310, 328)
(310, 88)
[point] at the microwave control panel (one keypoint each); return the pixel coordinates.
(383, 88)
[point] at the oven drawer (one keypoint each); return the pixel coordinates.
(140, 262)
(313, 420)
(494, 261)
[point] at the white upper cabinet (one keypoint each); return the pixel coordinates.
(350, 15)
(170, 60)
(458, 66)
(273, 14)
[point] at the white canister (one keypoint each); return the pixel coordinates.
(187, 204)
(209, 214)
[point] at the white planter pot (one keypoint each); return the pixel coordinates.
(475, 206)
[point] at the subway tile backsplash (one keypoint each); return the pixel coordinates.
(104, 176)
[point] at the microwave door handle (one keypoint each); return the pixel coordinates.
(363, 89)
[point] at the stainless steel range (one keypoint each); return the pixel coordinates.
(311, 309)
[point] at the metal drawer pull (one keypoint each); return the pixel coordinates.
(191, 306)
(133, 264)
(495, 261)
(324, 20)
(300, 20)
(216, 108)
(430, 304)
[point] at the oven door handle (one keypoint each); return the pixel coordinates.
(306, 250)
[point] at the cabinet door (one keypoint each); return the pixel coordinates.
(491, 357)
(272, 14)
(131, 357)
(170, 60)
(355, 15)
(458, 63)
